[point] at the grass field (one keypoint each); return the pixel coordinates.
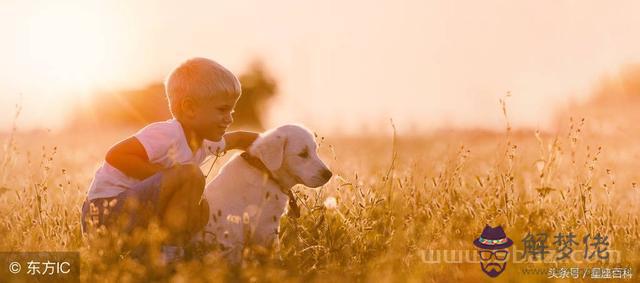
(397, 198)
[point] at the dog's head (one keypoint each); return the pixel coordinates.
(289, 152)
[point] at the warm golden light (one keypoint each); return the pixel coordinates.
(437, 131)
(65, 48)
(426, 64)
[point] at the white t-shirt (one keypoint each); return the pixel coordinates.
(165, 144)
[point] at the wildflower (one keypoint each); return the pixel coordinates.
(234, 219)
(540, 166)
(330, 203)
(245, 218)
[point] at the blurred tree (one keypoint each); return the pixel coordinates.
(136, 108)
(127, 108)
(258, 87)
(611, 108)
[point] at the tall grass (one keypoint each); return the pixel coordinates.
(395, 198)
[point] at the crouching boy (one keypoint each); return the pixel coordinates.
(155, 174)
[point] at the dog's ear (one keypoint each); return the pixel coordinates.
(271, 151)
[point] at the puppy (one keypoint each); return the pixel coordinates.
(249, 195)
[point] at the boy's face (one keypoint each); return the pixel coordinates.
(210, 117)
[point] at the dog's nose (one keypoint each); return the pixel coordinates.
(326, 174)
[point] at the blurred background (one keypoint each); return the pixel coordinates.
(78, 76)
(336, 66)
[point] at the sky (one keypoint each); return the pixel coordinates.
(341, 65)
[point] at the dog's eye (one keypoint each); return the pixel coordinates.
(304, 153)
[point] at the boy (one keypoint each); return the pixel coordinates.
(156, 172)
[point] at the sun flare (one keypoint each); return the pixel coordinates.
(66, 47)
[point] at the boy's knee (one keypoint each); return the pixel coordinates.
(185, 174)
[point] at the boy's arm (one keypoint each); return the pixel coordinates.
(239, 139)
(130, 157)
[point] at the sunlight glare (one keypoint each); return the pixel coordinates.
(66, 47)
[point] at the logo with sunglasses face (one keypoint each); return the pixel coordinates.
(492, 248)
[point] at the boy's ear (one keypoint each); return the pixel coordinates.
(270, 151)
(188, 107)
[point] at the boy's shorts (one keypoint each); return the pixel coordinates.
(105, 211)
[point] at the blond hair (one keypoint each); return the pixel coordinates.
(199, 78)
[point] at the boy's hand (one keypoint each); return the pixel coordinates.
(239, 139)
(130, 157)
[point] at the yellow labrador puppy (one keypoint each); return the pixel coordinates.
(249, 195)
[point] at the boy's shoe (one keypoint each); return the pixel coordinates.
(171, 254)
